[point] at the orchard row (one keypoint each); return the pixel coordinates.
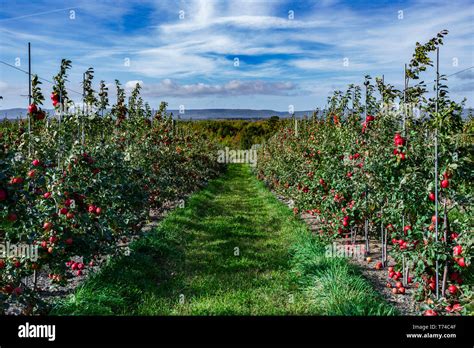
(76, 185)
(369, 172)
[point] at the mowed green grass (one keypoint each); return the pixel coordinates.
(233, 250)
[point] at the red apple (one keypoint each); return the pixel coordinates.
(461, 262)
(12, 217)
(17, 180)
(431, 196)
(453, 289)
(40, 115)
(32, 109)
(399, 141)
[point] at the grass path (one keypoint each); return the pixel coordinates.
(233, 250)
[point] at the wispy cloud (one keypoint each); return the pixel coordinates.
(466, 75)
(171, 88)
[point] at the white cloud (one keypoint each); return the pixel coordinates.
(245, 22)
(198, 50)
(167, 87)
(330, 65)
(3, 87)
(130, 85)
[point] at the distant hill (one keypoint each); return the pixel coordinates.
(205, 114)
(195, 114)
(12, 113)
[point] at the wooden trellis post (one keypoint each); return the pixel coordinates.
(296, 126)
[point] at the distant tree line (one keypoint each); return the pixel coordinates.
(237, 133)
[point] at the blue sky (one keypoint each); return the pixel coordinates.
(190, 60)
